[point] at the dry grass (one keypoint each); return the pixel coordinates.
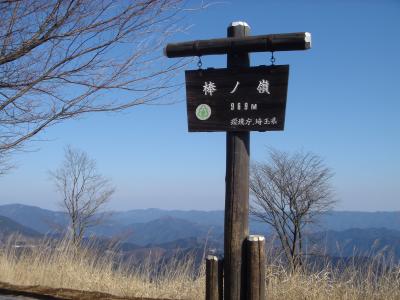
(353, 282)
(84, 269)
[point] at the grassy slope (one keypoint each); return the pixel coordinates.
(84, 269)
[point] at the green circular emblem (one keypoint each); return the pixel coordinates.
(203, 112)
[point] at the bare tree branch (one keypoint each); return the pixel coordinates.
(84, 191)
(60, 59)
(288, 192)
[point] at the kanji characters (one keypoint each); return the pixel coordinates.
(272, 121)
(263, 86)
(209, 88)
(253, 121)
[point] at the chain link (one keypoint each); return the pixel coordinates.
(272, 58)
(199, 63)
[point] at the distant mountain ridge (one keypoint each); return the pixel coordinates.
(356, 241)
(343, 220)
(9, 227)
(146, 226)
(333, 220)
(39, 219)
(212, 217)
(162, 232)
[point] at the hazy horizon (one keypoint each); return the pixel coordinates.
(187, 210)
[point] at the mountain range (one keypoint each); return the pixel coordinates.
(8, 227)
(339, 233)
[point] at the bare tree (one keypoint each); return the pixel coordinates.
(60, 59)
(84, 191)
(288, 192)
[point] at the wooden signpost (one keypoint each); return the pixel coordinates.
(238, 99)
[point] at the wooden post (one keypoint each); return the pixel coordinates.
(255, 267)
(237, 189)
(237, 46)
(259, 43)
(214, 278)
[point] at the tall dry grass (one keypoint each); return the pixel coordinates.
(62, 265)
(86, 269)
(351, 282)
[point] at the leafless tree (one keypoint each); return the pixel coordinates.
(60, 59)
(84, 191)
(288, 192)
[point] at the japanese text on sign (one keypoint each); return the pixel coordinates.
(242, 99)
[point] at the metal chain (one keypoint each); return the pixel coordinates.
(199, 63)
(272, 58)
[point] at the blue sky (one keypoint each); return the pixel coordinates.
(343, 104)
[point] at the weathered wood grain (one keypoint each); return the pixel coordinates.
(214, 278)
(236, 193)
(258, 43)
(255, 268)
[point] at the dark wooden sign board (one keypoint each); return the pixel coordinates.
(237, 99)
